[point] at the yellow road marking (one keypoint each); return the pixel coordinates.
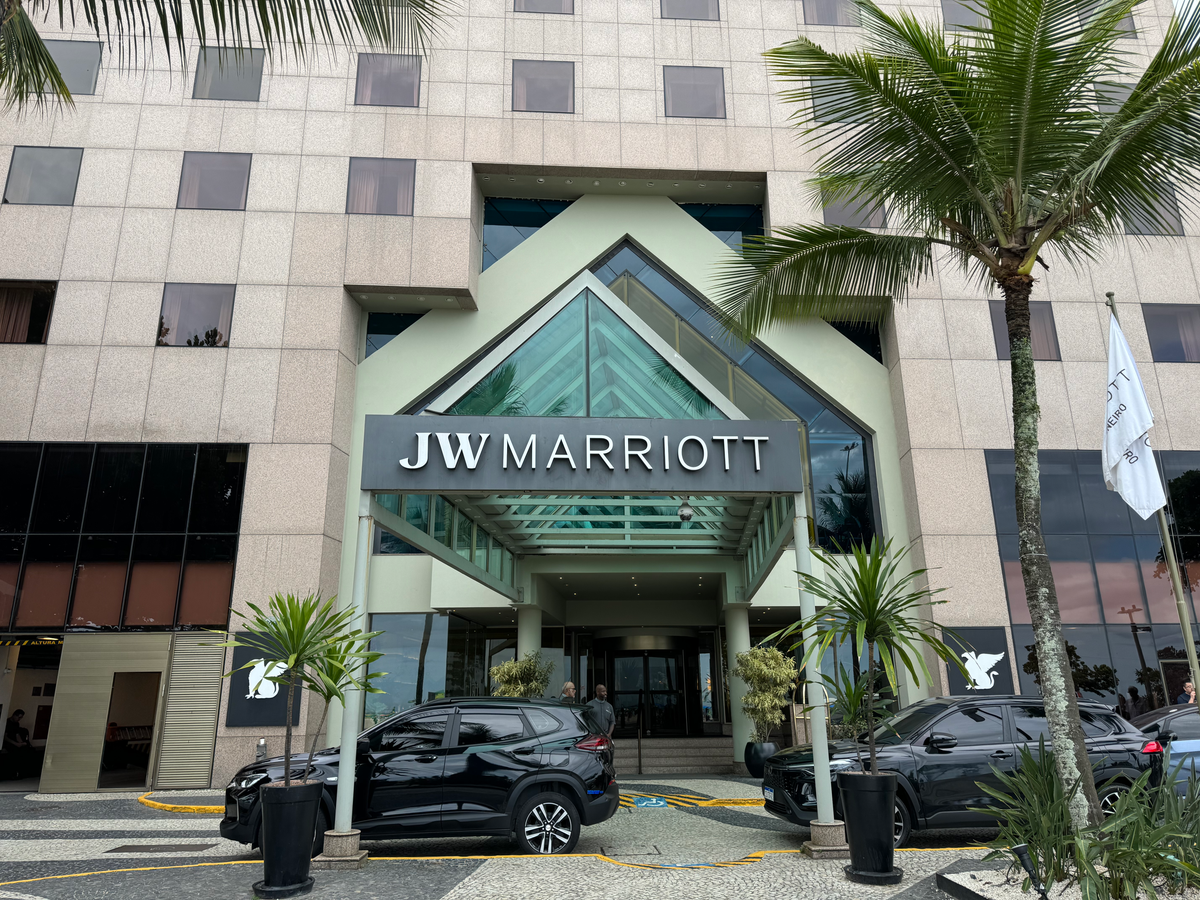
(180, 808)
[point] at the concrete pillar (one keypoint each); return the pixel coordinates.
(737, 640)
(529, 629)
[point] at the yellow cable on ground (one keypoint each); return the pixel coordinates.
(179, 808)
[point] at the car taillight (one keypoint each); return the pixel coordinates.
(1152, 747)
(595, 743)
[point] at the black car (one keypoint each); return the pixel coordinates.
(528, 769)
(942, 749)
(1175, 732)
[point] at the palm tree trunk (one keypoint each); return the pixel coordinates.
(312, 750)
(287, 734)
(1058, 685)
(871, 707)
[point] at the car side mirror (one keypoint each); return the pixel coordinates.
(362, 748)
(1166, 737)
(941, 742)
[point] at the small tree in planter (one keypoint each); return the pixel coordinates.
(876, 608)
(771, 676)
(527, 677)
(304, 641)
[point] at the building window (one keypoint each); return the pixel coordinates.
(830, 12)
(78, 62)
(214, 181)
(1174, 331)
(1155, 216)
(382, 327)
(1111, 97)
(694, 92)
(1043, 335)
(963, 15)
(381, 187)
(562, 7)
(854, 214)
(731, 222)
(1125, 27)
(833, 105)
(708, 10)
(388, 79)
(507, 222)
(195, 315)
(226, 74)
(113, 536)
(43, 176)
(543, 86)
(25, 311)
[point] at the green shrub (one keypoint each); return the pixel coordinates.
(771, 676)
(527, 677)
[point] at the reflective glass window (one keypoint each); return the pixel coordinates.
(1156, 214)
(463, 534)
(443, 521)
(489, 727)
(195, 315)
(731, 222)
(46, 582)
(830, 12)
(481, 548)
(1030, 724)
(78, 63)
(154, 580)
(543, 86)
(1111, 96)
(414, 648)
(113, 493)
(62, 488)
(833, 102)
(508, 222)
(388, 79)
(420, 733)
(961, 15)
(43, 176)
(690, 9)
(854, 214)
(1042, 335)
(562, 7)
(100, 581)
(217, 492)
(1125, 27)
(381, 187)
(416, 511)
(694, 92)
(207, 579)
(226, 74)
(12, 548)
(973, 725)
(214, 180)
(382, 327)
(1174, 331)
(166, 487)
(19, 463)
(1186, 727)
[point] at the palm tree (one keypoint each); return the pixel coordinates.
(987, 146)
(29, 75)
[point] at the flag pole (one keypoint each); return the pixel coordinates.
(1185, 618)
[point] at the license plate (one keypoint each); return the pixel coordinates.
(769, 794)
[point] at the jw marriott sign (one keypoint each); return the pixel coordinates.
(425, 454)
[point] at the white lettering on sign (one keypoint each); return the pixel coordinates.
(566, 453)
(756, 441)
(603, 454)
(640, 454)
(725, 439)
(422, 452)
(530, 451)
(703, 453)
(464, 450)
(666, 454)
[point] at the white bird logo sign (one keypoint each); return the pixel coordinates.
(979, 668)
(260, 687)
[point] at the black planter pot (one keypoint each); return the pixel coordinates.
(756, 755)
(289, 823)
(869, 808)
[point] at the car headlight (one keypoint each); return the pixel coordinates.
(835, 766)
(243, 782)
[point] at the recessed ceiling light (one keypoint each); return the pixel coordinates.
(621, 183)
(677, 184)
(595, 184)
(649, 184)
(487, 177)
(449, 299)
(701, 185)
(569, 181)
(362, 296)
(541, 181)
(728, 186)
(512, 179)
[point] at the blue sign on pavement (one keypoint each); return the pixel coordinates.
(650, 802)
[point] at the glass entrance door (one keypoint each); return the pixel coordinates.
(650, 685)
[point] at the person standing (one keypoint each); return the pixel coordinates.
(599, 712)
(1188, 695)
(568, 693)
(1138, 705)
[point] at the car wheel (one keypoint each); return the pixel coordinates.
(547, 824)
(319, 837)
(902, 827)
(1110, 796)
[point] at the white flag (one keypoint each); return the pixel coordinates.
(1127, 460)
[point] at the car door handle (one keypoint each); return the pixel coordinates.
(1001, 754)
(523, 751)
(427, 759)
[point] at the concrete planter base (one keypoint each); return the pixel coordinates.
(341, 851)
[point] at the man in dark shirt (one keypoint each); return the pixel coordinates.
(600, 715)
(1188, 695)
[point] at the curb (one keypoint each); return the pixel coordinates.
(180, 808)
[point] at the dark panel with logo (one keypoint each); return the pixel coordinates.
(984, 651)
(254, 701)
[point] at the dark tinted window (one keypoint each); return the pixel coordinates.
(1186, 727)
(691, 9)
(388, 79)
(381, 187)
(694, 92)
(1174, 331)
(196, 315)
(1125, 27)
(19, 463)
(507, 222)
(854, 213)
(1042, 335)
(830, 12)
(960, 15)
(1111, 96)
(909, 722)
(542, 722)
(973, 725)
(43, 176)
(1095, 725)
(489, 727)
(217, 494)
(166, 487)
(113, 495)
(78, 63)
(382, 327)
(543, 86)
(1030, 724)
(1155, 215)
(424, 733)
(224, 74)
(62, 488)
(565, 7)
(214, 181)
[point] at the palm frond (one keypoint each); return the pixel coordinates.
(28, 74)
(827, 271)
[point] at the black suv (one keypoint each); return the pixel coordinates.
(943, 748)
(528, 769)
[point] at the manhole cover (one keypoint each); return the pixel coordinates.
(160, 848)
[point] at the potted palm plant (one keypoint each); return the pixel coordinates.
(878, 610)
(770, 675)
(304, 641)
(528, 676)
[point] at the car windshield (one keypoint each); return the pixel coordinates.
(904, 725)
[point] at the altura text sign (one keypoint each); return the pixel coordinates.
(420, 454)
